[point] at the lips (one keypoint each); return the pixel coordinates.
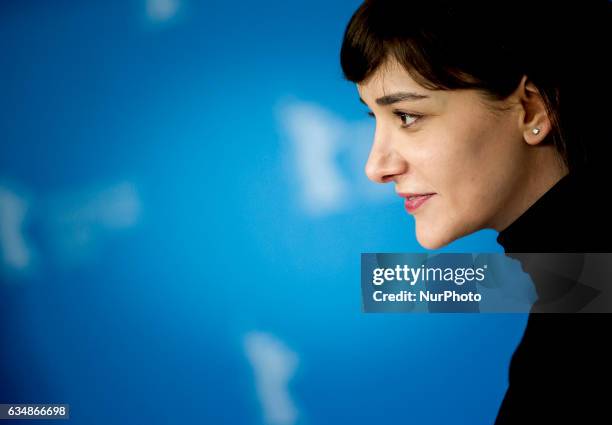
(416, 196)
(415, 200)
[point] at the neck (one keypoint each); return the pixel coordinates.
(543, 170)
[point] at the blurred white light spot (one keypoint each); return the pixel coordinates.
(162, 10)
(15, 252)
(315, 135)
(273, 365)
(114, 207)
(68, 228)
(327, 156)
(78, 222)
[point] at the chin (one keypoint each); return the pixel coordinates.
(431, 240)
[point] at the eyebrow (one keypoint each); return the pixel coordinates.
(397, 97)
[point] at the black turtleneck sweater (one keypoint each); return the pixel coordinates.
(561, 371)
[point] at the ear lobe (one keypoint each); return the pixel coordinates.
(536, 134)
(533, 119)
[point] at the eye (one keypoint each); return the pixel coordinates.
(407, 119)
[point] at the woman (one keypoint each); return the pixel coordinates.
(489, 115)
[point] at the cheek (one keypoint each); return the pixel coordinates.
(470, 163)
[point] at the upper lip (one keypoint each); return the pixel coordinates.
(409, 194)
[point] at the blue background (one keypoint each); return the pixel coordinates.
(182, 212)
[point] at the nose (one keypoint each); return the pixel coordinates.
(384, 163)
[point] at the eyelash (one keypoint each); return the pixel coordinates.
(401, 116)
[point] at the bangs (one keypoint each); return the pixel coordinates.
(433, 41)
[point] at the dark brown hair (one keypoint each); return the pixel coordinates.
(562, 47)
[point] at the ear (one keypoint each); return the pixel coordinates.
(533, 123)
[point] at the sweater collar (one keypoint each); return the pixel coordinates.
(551, 223)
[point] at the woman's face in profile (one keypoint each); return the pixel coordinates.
(448, 143)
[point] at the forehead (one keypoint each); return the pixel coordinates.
(391, 77)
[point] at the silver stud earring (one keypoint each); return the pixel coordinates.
(535, 130)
